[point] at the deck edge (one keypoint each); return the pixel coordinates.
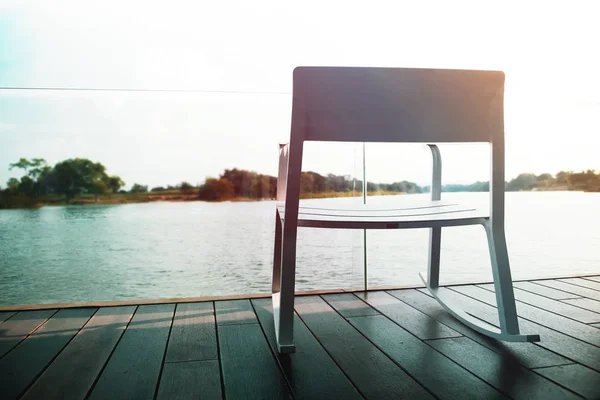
(117, 303)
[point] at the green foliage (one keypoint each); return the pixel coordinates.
(114, 183)
(79, 175)
(158, 189)
(186, 188)
(137, 188)
(12, 184)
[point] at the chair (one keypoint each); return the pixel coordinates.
(395, 105)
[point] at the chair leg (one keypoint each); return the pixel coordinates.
(283, 299)
(276, 282)
(509, 328)
(433, 270)
(505, 297)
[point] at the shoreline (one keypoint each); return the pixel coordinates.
(140, 198)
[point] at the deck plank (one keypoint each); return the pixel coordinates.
(588, 304)
(72, 373)
(557, 322)
(349, 305)
(190, 380)
(310, 371)
(576, 377)
(567, 346)
(567, 287)
(193, 335)
(419, 324)
(13, 331)
(132, 372)
(442, 377)
(371, 371)
(557, 307)
(545, 291)
(592, 278)
(505, 375)
(4, 315)
(21, 366)
(582, 282)
(232, 312)
(249, 368)
(527, 354)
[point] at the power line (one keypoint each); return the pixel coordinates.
(82, 89)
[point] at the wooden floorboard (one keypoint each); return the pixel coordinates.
(540, 316)
(73, 372)
(233, 312)
(349, 305)
(310, 371)
(576, 377)
(13, 331)
(376, 344)
(504, 374)
(588, 304)
(570, 288)
(133, 370)
(249, 369)
(193, 335)
(373, 373)
(583, 282)
(24, 363)
(441, 377)
(567, 346)
(6, 315)
(419, 324)
(526, 354)
(190, 380)
(545, 291)
(555, 306)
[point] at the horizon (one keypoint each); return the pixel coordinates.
(242, 108)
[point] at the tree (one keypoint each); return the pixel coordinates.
(137, 188)
(98, 188)
(216, 190)
(33, 168)
(186, 188)
(79, 175)
(244, 182)
(26, 186)
(158, 189)
(114, 183)
(522, 182)
(12, 184)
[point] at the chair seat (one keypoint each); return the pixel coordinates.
(428, 214)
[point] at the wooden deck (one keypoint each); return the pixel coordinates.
(379, 344)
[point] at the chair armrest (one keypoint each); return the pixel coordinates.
(436, 178)
(284, 155)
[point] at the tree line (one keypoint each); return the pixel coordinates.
(67, 178)
(79, 176)
(564, 180)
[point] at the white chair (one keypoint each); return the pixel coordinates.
(395, 105)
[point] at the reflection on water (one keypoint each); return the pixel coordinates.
(158, 250)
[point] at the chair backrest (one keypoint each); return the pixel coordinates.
(397, 105)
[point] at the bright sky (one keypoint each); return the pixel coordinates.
(547, 49)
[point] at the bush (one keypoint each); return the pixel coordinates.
(216, 190)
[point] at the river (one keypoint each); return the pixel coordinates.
(163, 250)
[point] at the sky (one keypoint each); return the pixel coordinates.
(243, 53)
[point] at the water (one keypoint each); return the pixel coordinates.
(162, 250)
